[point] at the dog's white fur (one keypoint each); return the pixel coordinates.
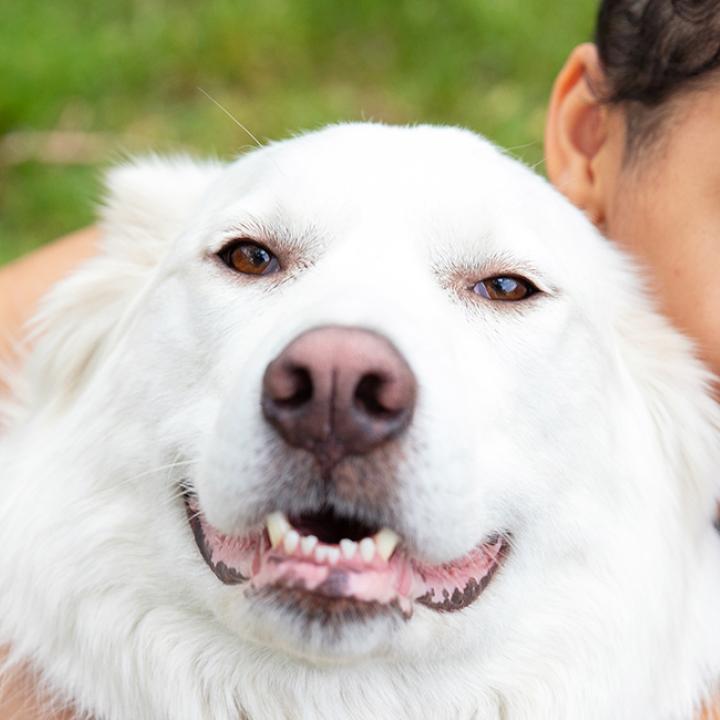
(578, 421)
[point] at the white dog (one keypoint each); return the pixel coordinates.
(369, 424)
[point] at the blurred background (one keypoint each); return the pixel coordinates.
(83, 83)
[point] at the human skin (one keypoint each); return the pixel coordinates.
(663, 208)
(661, 205)
(24, 281)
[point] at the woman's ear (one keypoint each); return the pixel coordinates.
(584, 138)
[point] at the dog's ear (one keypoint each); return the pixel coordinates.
(146, 205)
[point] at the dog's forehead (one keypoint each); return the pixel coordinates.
(440, 190)
(349, 166)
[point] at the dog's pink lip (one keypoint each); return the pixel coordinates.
(398, 583)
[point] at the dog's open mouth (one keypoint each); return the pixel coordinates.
(329, 559)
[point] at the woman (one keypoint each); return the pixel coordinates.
(632, 138)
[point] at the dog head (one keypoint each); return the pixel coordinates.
(380, 392)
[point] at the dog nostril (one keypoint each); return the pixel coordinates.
(299, 389)
(367, 397)
(337, 392)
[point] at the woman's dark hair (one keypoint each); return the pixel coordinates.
(651, 51)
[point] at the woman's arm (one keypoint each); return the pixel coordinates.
(19, 700)
(24, 281)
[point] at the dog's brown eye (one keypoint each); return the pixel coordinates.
(249, 258)
(505, 287)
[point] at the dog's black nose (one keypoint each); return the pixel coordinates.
(339, 391)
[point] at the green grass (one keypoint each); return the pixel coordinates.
(132, 69)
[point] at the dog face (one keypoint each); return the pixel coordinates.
(377, 398)
(425, 262)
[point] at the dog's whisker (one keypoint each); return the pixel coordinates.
(153, 471)
(183, 483)
(175, 496)
(230, 115)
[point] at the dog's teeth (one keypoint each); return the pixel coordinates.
(277, 526)
(333, 555)
(321, 553)
(307, 544)
(348, 548)
(292, 540)
(367, 549)
(386, 541)
(405, 606)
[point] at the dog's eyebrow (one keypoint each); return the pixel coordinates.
(275, 231)
(493, 265)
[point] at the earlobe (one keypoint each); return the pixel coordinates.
(576, 133)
